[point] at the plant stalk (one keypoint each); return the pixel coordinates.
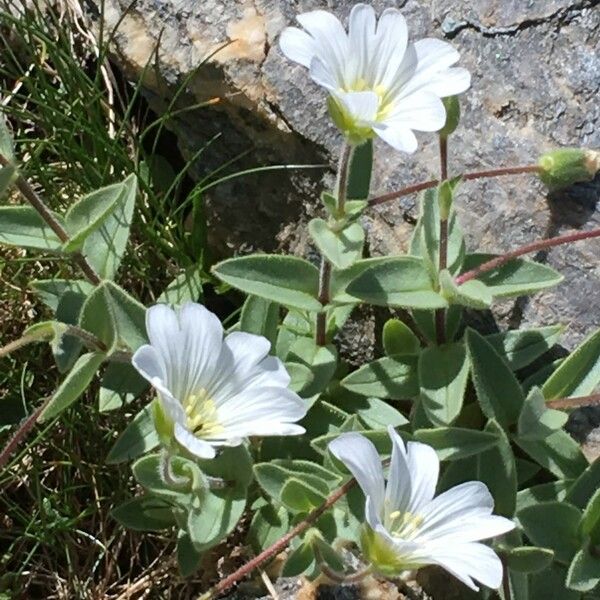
(425, 185)
(567, 403)
(280, 544)
(498, 261)
(39, 205)
(440, 313)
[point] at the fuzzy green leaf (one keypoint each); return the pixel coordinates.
(186, 287)
(22, 226)
(528, 559)
(138, 438)
(398, 338)
(537, 421)
(578, 374)
(359, 175)
(7, 148)
(584, 571)
(268, 525)
(145, 513)
(401, 281)
(8, 175)
(455, 443)
(121, 384)
(299, 496)
(288, 280)
(443, 374)
(341, 248)
(260, 317)
(320, 360)
(585, 485)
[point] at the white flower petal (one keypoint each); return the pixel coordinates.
(362, 460)
(321, 74)
(468, 528)
(247, 413)
(361, 33)
(398, 136)
(297, 45)
(424, 467)
(470, 561)
(449, 83)
(471, 498)
(331, 41)
(192, 444)
(421, 111)
(433, 57)
(362, 106)
(389, 50)
(398, 490)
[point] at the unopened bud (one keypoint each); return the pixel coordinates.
(452, 107)
(562, 168)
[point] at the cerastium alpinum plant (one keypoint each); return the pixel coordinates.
(267, 420)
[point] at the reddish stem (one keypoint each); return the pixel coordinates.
(425, 185)
(562, 403)
(527, 249)
(280, 544)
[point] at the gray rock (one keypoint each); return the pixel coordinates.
(536, 80)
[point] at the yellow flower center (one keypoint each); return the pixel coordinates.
(201, 413)
(404, 524)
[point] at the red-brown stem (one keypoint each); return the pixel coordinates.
(440, 313)
(527, 249)
(425, 185)
(23, 430)
(280, 544)
(565, 403)
(34, 199)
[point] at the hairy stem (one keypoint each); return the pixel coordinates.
(425, 185)
(494, 263)
(325, 269)
(280, 544)
(36, 201)
(440, 313)
(566, 403)
(16, 344)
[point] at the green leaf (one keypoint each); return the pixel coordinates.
(8, 174)
(375, 413)
(299, 561)
(341, 248)
(544, 492)
(307, 467)
(90, 212)
(472, 294)
(585, 485)
(321, 360)
(340, 280)
(391, 377)
(7, 148)
(188, 558)
(359, 174)
(443, 374)
(145, 513)
(138, 438)
(186, 287)
(115, 317)
(121, 384)
(455, 443)
(579, 373)
(299, 496)
(559, 453)
(302, 378)
(288, 280)
(74, 384)
(65, 298)
(515, 278)
(146, 471)
(537, 421)
(426, 238)
(527, 559)
(22, 226)
(401, 281)
(260, 317)
(398, 338)
(425, 321)
(498, 391)
(272, 478)
(105, 246)
(268, 525)
(550, 584)
(381, 439)
(584, 571)
(553, 525)
(519, 348)
(590, 522)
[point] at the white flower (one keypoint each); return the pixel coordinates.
(407, 527)
(379, 82)
(215, 391)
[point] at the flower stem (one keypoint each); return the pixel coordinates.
(325, 269)
(440, 313)
(425, 185)
(566, 403)
(167, 474)
(527, 249)
(36, 201)
(280, 544)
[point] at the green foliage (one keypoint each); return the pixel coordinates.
(22, 226)
(536, 421)
(288, 280)
(399, 339)
(138, 438)
(342, 247)
(528, 559)
(455, 443)
(260, 317)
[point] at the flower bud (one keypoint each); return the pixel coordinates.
(379, 553)
(162, 423)
(452, 107)
(562, 168)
